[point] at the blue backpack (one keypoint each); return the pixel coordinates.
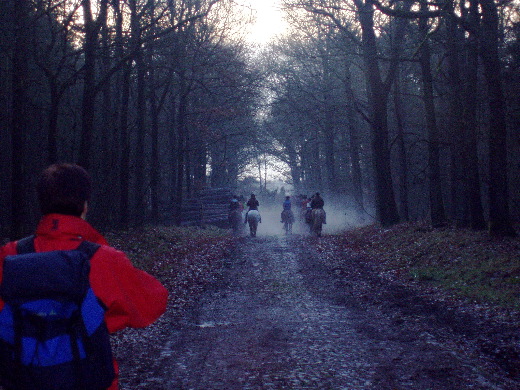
(53, 334)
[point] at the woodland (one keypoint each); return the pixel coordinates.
(399, 110)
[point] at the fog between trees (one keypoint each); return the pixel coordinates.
(405, 108)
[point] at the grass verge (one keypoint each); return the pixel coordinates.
(468, 263)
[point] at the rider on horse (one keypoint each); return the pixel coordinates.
(287, 203)
(287, 212)
(253, 204)
(317, 202)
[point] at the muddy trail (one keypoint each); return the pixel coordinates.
(278, 318)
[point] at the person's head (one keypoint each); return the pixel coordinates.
(287, 198)
(64, 189)
(317, 194)
(253, 196)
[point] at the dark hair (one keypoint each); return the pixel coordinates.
(64, 189)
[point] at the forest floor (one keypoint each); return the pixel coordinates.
(371, 308)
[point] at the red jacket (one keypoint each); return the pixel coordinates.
(133, 298)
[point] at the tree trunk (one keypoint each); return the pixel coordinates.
(89, 95)
(173, 136)
(330, 161)
(124, 168)
(181, 149)
(20, 116)
(353, 130)
(119, 121)
(476, 209)
(154, 131)
(154, 135)
(437, 214)
(377, 96)
(199, 169)
(499, 218)
(458, 136)
(52, 130)
(108, 184)
(315, 165)
(296, 173)
(329, 131)
(401, 145)
(188, 164)
(140, 167)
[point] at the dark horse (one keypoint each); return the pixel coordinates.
(316, 221)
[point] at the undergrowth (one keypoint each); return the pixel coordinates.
(159, 248)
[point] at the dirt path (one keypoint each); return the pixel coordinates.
(279, 319)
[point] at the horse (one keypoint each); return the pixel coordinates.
(235, 220)
(317, 219)
(287, 220)
(253, 217)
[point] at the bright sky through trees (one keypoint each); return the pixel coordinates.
(269, 21)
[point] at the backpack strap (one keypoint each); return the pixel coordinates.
(25, 245)
(89, 248)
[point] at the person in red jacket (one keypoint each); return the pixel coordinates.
(132, 297)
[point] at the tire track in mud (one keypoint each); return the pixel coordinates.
(279, 319)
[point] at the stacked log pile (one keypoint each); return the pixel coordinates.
(210, 207)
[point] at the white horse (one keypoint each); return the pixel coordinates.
(253, 217)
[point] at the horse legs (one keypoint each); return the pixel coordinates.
(252, 228)
(317, 228)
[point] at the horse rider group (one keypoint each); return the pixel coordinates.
(307, 203)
